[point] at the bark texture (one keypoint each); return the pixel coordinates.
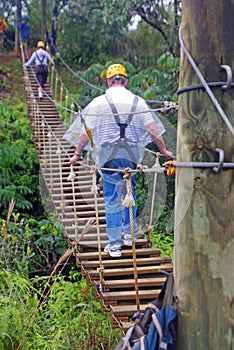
(204, 224)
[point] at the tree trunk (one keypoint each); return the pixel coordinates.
(44, 27)
(18, 18)
(54, 25)
(204, 225)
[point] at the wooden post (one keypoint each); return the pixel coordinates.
(204, 214)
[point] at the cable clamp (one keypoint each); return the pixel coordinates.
(221, 160)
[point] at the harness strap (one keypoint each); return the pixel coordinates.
(41, 60)
(122, 127)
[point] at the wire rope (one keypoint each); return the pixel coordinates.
(204, 83)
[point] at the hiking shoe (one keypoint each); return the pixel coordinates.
(114, 251)
(107, 247)
(128, 239)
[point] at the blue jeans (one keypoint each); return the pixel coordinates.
(114, 190)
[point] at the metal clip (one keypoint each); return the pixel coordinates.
(221, 160)
(229, 76)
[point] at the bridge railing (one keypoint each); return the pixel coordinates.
(65, 103)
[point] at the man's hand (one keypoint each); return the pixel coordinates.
(166, 153)
(76, 158)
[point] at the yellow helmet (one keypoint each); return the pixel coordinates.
(116, 69)
(41, 44)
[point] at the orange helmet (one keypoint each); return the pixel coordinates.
(116, 69)
(40, 44)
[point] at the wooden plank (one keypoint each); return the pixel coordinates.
(126, 310)
(125, 262)
(128, 295)
(94, 274)
(130, 283)
(126, 252)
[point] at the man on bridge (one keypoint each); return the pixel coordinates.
(121, 125)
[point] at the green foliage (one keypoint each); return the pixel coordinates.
(96, 41)
(164, 242)
(31, 247)
(18, 302)
(61, 315)
(19, 164)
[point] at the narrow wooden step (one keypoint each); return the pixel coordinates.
(110, 263)
(81, 256)
(142, 270)
(130, 283)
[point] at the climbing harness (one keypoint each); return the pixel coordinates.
(122, 142)
(41, 60)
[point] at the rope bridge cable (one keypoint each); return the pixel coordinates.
(93, 86)
(200, 165)
(204, 83)
(78, 76)
(171, 107)
(200, 86)
(57, 54)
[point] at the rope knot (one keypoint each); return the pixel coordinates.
(94, 187)
(128, 201)
(72, 175)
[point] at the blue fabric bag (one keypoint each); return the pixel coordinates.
(155, 329)
(161, 334)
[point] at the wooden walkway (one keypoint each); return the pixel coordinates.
(114, 280)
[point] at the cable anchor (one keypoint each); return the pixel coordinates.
(229, 76)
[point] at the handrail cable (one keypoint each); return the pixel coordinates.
(88, 83)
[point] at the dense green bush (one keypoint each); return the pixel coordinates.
(63, 314)
(19, 164)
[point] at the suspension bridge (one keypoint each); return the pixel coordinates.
(124, 285)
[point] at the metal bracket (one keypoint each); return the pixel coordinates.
(221, 160)
(229, 76)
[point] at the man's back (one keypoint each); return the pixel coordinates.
(101, 118)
